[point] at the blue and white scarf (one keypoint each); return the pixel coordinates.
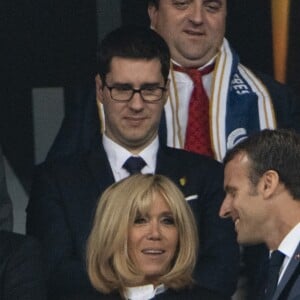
(240, 103)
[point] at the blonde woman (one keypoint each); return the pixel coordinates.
(143, 244)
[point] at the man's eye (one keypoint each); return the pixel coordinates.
(151, 91)
(232, 194)
(181, 4)
(122, 88)
(213, 6)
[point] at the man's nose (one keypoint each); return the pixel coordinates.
(136, 102)
(225, 209)
(196, 13)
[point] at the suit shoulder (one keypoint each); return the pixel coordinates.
(60, 165)
(14, 241)
(185, 156)
(11, 237)
(274, 87)
(193, 293)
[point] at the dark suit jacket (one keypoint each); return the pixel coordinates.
(194, 293)
(289, 285)
(21, 270)
(6, 216)
(64, 197)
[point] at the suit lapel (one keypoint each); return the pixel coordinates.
(293, 264)
(99, 166)
(167, 165)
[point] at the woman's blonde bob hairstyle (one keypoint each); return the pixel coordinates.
(108, 263)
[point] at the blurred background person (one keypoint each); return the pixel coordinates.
(6, 214)
(21, 268)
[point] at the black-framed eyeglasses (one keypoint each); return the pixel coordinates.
(125, 93)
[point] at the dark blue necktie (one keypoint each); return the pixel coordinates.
(275, 263)
(134, 164)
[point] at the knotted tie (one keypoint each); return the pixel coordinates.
(197, 138)
(275, 263)
(134, 164)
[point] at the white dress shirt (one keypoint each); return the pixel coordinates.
(117, 155)
(144, 292)
(288, 246)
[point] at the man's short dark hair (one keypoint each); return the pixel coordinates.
(134, 42)
(277, 150)
(153, 3)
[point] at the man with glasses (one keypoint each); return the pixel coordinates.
(131, 87)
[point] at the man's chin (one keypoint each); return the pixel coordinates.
(244, 241)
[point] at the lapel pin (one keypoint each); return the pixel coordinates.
(182, 181)
(297, 256)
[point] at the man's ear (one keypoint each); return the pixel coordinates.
(99, 88)
(152, 12)
(270, 182)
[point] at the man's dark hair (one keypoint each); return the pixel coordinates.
(277, 150)
(153, 3)
(133, 42)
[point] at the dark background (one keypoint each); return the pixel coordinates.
(53, 43)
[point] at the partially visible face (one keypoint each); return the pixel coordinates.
(243, 202)
(153, 240)
(193, 29)
(132, 124)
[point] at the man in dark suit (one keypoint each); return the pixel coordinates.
(262, 184)
(289, 286)
(131, 90)
(6, 215)
(21, 269)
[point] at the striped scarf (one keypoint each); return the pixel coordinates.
(239, 104)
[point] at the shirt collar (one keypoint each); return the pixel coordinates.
(211, 61)
(144, 292)
(290, 242)
(117, 155)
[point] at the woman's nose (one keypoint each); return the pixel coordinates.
(154, 231)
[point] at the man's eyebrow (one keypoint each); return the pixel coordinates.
(219, 2)
(121, 84)
(229, 189)
(142, 86)
(150, 85)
